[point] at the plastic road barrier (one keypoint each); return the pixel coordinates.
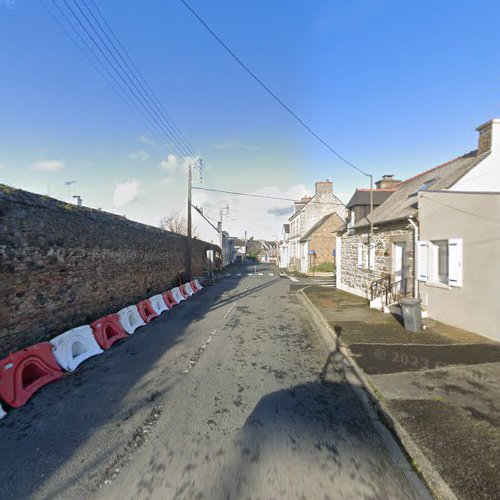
(158, 304)
(2, 412)
(183, 292)
(169, 299)
(146, 311)
(195, 284)
(188, 289)
(130, 319)
(22, 373)
(177, 295)
(108, 330)
(73, 347)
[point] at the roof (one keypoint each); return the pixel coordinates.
(403, 202)
(299, 206)
(362, 196)
(318, 224)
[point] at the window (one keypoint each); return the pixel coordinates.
(440, 261)
(363, 249)
(424, 186)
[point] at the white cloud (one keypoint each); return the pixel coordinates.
(3, 166)
(146, 140)
(125, 192)
(170, 164)
(48, 165)
(140, 155)
(235, 144)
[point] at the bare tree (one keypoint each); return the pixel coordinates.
(177, 223)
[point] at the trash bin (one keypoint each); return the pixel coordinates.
(412, 314)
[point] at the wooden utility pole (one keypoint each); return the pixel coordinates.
(189, 224)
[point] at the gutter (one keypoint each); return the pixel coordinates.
(415, 254)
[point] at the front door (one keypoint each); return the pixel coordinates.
(399, 263)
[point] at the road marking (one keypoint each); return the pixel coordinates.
(261, 274)
(250, 274)
(239, 274)
(292, 278)
(271, 274)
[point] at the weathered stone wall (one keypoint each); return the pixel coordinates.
(361, 278)
(62, 266)
(323, 241)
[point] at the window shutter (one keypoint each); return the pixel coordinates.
(372, 256)
(360, 255)
(455, 262)
(422, 257)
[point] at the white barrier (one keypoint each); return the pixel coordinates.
(197, 284)
(2, 412)
(130, 319)
(177, 295)
(75, 346)
(188, 289)
(158, 304)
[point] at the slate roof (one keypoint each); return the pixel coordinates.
(362, 197)
(403, 202)
(318, 224)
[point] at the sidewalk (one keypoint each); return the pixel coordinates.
(440, 385)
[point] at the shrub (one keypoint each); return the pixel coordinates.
(325, 267)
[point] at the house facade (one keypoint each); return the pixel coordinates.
(294, 250)
(424, 239)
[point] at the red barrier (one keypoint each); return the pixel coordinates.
(146, 311)
(183, 292)
(22, 373)
(168, 297)
(194, 286)
(108, 330)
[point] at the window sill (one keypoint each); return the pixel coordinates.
(436, 284)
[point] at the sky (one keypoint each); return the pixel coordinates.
(395, 87)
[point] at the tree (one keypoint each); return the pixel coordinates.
(177, 223)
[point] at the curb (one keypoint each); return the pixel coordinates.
(433, 480)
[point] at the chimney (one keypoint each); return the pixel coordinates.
(489, 137)
(324, 187)
(387, 182)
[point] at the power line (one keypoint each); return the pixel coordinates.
(269, 91)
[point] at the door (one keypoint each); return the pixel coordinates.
(399, 264)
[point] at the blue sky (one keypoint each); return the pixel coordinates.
(396, 87)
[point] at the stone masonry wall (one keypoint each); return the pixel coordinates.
(62, 266)
(323, 240)
(361, 279)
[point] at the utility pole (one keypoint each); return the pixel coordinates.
(245, 246)
(189, 223)
(220, 237)
(370, 242)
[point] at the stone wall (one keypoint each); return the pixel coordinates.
(360, 279)
(323, 240)
(62, 266)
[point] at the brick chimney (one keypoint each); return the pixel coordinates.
(489, 137)
(387, 182)
(324, 187)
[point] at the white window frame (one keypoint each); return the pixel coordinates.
(428, 262)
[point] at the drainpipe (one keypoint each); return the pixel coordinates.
(415, 254)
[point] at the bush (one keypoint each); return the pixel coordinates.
(325, 267)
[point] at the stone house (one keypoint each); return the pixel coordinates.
(383, 267)
(318, 242)
(308, 212)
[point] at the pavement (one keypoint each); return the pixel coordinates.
(440, 386)
(233, 394)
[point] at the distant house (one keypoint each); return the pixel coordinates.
(437, 237)
(319, 241)
(294, 250)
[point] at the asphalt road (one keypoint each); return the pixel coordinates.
(233, 394)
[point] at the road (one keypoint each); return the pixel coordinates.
(233, 394)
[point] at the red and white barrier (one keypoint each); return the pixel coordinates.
(188, 289)
(2, 412)
(130, 319)
(108, 330)
(169, 299)
(177, 295)
(23, 372)
(73, 347)
(158, 304)
(195, 285)
(146, 311)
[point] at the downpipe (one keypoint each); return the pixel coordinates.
(415, 254)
